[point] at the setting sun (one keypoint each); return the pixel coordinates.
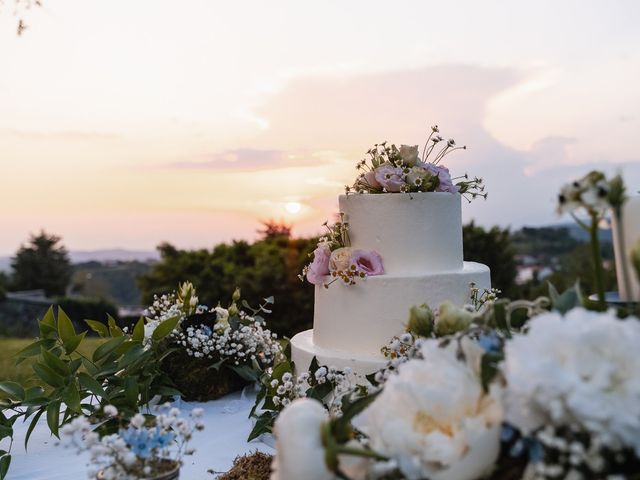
(293, 207)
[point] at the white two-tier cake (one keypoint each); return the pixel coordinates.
(419, 237)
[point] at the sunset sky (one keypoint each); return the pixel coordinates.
(125, 123)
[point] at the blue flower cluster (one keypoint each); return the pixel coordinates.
(143, 441)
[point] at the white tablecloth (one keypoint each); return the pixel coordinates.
(224, 437)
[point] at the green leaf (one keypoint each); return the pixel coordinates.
(500, 315)
(48, 375)
(131, 391)
(107, 347)
(72, 343)
(13, 389)
(264, 424)
(48, 324)
(71, 398)
(568, 300)
(32, 425)
(245, 372)
(34, 349)
(138, 331)
(98, 327)
(53, 362)
(165, 328)
(53, 416)
(91, 384)
(114, 329)
(132, 355)
(65, 326)
(5, 462)
(33, 392)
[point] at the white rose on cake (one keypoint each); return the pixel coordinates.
(340, 259)
(434, 418)
(409, 154)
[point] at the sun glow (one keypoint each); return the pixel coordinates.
(293, 207)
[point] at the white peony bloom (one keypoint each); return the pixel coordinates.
(300, 453)
(581, 369)
(434, 419)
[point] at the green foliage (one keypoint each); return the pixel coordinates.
(571, 267)
(115, 282)
(268, 265)
(119, 372)
(493, 248)
(82, 308)
(548, 241)
(43, 263)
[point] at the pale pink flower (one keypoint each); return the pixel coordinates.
(319, 267)
(367, 261)
(389, 177)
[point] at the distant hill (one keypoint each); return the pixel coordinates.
(102, 256)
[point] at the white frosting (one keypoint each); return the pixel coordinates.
(360, 319)
(414, 233)
(303, 350)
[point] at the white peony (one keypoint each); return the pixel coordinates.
(434, 419)
(300, 454)
(581, 369)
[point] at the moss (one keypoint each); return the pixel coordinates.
(197, 381)
(254, 466)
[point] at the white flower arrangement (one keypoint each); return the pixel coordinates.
(143, 448)
(581, 369)
(561, 399)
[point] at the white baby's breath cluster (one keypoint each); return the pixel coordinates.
(164, 307)
(289, 387)
(580, 370)
(138, 451)
(249, 341)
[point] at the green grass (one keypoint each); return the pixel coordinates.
(23, 373)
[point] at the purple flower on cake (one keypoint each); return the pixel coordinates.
(389, 177)
(442, 172)
(370, 179)
(367, 261)
(319, 267)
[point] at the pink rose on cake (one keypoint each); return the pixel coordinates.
(368, 262)
(319, 267)
(389, 177)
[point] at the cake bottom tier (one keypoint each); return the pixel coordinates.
(303, 350)
(352, 323)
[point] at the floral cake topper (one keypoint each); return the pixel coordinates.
(389, 169)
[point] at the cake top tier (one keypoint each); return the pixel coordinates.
(414, 233)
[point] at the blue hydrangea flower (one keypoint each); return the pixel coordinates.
(490, 342)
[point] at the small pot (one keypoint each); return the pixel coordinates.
(172, 474)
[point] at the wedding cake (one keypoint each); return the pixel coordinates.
(418, 237)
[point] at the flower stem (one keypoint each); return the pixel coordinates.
(597, 259)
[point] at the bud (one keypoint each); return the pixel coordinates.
(452, 319)
(236, 295)
(233, 310)
(420, 320)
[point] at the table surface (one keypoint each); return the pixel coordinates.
(227, 427)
